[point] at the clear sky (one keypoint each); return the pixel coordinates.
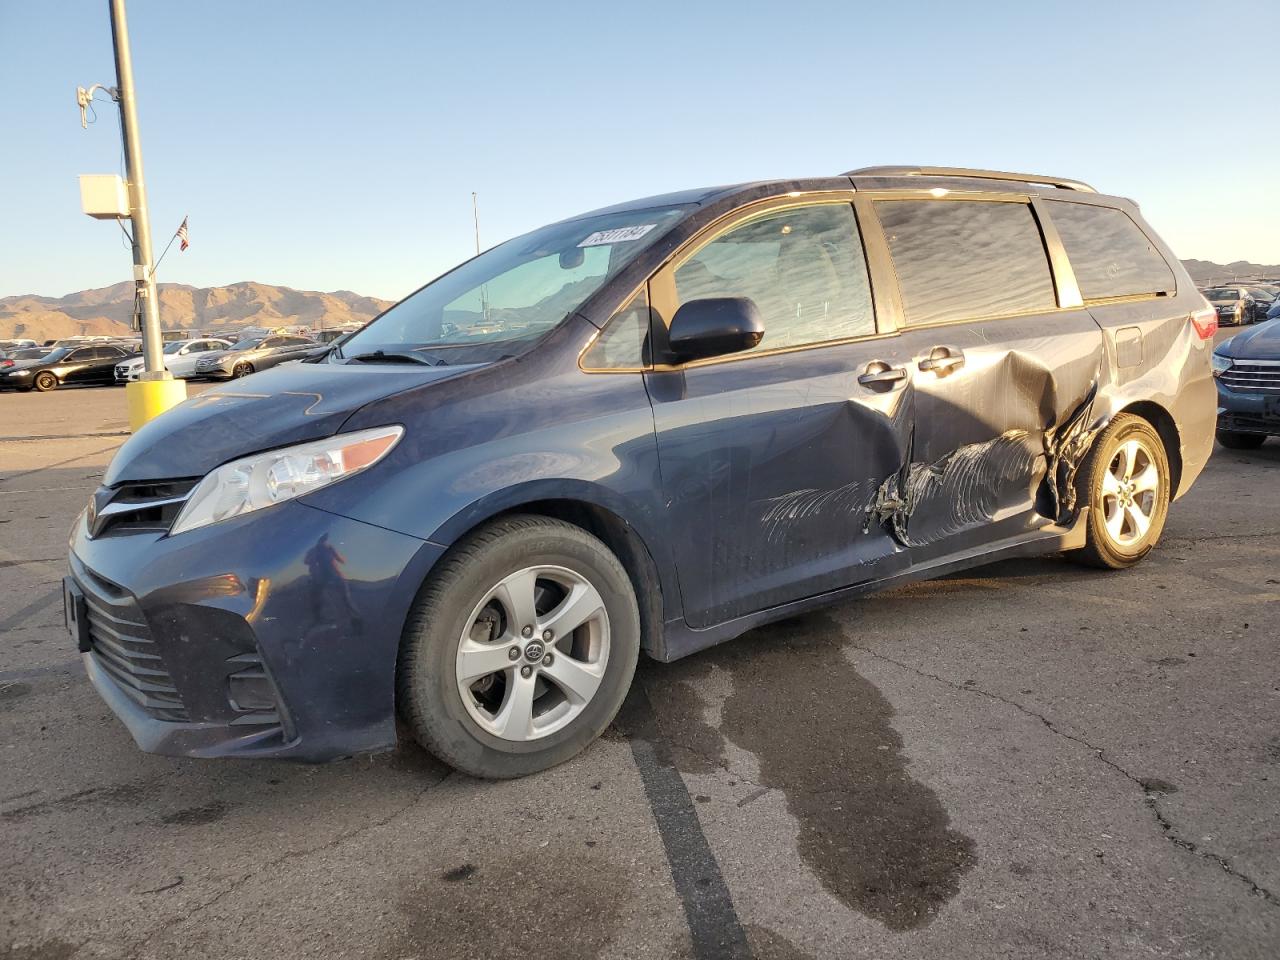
(335, 145)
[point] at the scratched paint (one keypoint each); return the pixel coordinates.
(926, 502)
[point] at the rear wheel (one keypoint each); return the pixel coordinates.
(241, 370)
(1240, 441)
(520, 648)
(45, 381)
(1126, 481)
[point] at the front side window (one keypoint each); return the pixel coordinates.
(802, 266)
(966, 259)
(502, 301)
(1109, 253)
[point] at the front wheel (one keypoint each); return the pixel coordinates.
(1240, 441)
(1126, 481)
(519, 649)
(45, 381)
(241, 370)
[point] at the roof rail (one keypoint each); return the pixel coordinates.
(971, 173)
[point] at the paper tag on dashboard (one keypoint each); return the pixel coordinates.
(617, 235)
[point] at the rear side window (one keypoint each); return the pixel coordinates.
(964, 259)
(1109, 253)
(803, 267)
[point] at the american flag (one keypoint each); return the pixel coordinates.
(183, 240)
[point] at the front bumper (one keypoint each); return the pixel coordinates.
(1240, 412)
(271, 635)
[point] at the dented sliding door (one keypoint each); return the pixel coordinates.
(1004, 363)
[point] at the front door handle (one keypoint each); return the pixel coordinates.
(880, 374)
(942, 360)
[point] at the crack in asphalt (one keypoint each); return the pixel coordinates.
(1167, 829)
(135, 948)
(1212, 537)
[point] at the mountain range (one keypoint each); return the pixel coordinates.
(107, 310)
(1207, 271)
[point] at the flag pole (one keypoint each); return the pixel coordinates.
(166, 248)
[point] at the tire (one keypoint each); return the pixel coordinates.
(241, 370)
(1132, 441)
(469, 717)
(45, 381)
(1241, 441)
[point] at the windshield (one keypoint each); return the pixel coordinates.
(248, 344)
(57, 353)
(1222, 293)
(517, 291)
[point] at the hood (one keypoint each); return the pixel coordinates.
(1257, 343)
(279, 407)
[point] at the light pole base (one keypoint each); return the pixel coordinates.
(150, 398)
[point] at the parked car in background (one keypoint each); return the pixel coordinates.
(682, 417)
(90, 364)
(32, 353)
(180, 358)
(1235, 305)
(251, 355)
(7, 347)
(329, 336)
(1247, 371)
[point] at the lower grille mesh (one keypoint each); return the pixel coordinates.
(120, 643)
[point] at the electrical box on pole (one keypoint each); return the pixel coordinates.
(104, 196)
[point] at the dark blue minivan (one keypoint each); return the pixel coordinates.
(649, 428)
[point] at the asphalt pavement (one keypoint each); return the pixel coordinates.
(1027, 760)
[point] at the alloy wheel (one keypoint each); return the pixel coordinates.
(533, 653)
(1130, 488)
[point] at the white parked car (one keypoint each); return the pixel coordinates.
(180, 358)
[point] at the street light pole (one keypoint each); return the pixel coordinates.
(142, 271)
(156, 390)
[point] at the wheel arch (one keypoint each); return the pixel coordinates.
(1166, 427)
(609, 523)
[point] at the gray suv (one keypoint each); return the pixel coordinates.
(253, 354)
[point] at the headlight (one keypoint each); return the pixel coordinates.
(266, 479)
(1220, 364)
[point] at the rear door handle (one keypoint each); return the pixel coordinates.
(942, 360)
(880, 374)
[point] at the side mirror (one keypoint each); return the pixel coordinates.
(714, 327)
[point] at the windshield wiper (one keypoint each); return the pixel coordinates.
(381, 356)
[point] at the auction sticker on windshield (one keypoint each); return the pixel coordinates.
(617, 235)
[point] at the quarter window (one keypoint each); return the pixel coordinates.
(1109, 253)
(965, 259)
(623, 342)
(803, 267)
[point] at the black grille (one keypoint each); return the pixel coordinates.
(138, 507)
(121, 644)
(1252, 376)
(1248, 423)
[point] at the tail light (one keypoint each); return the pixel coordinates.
(1205, 323)
(6, 363)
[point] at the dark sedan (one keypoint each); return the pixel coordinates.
(1247, 370)
(92, 364)
(1235, 305)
